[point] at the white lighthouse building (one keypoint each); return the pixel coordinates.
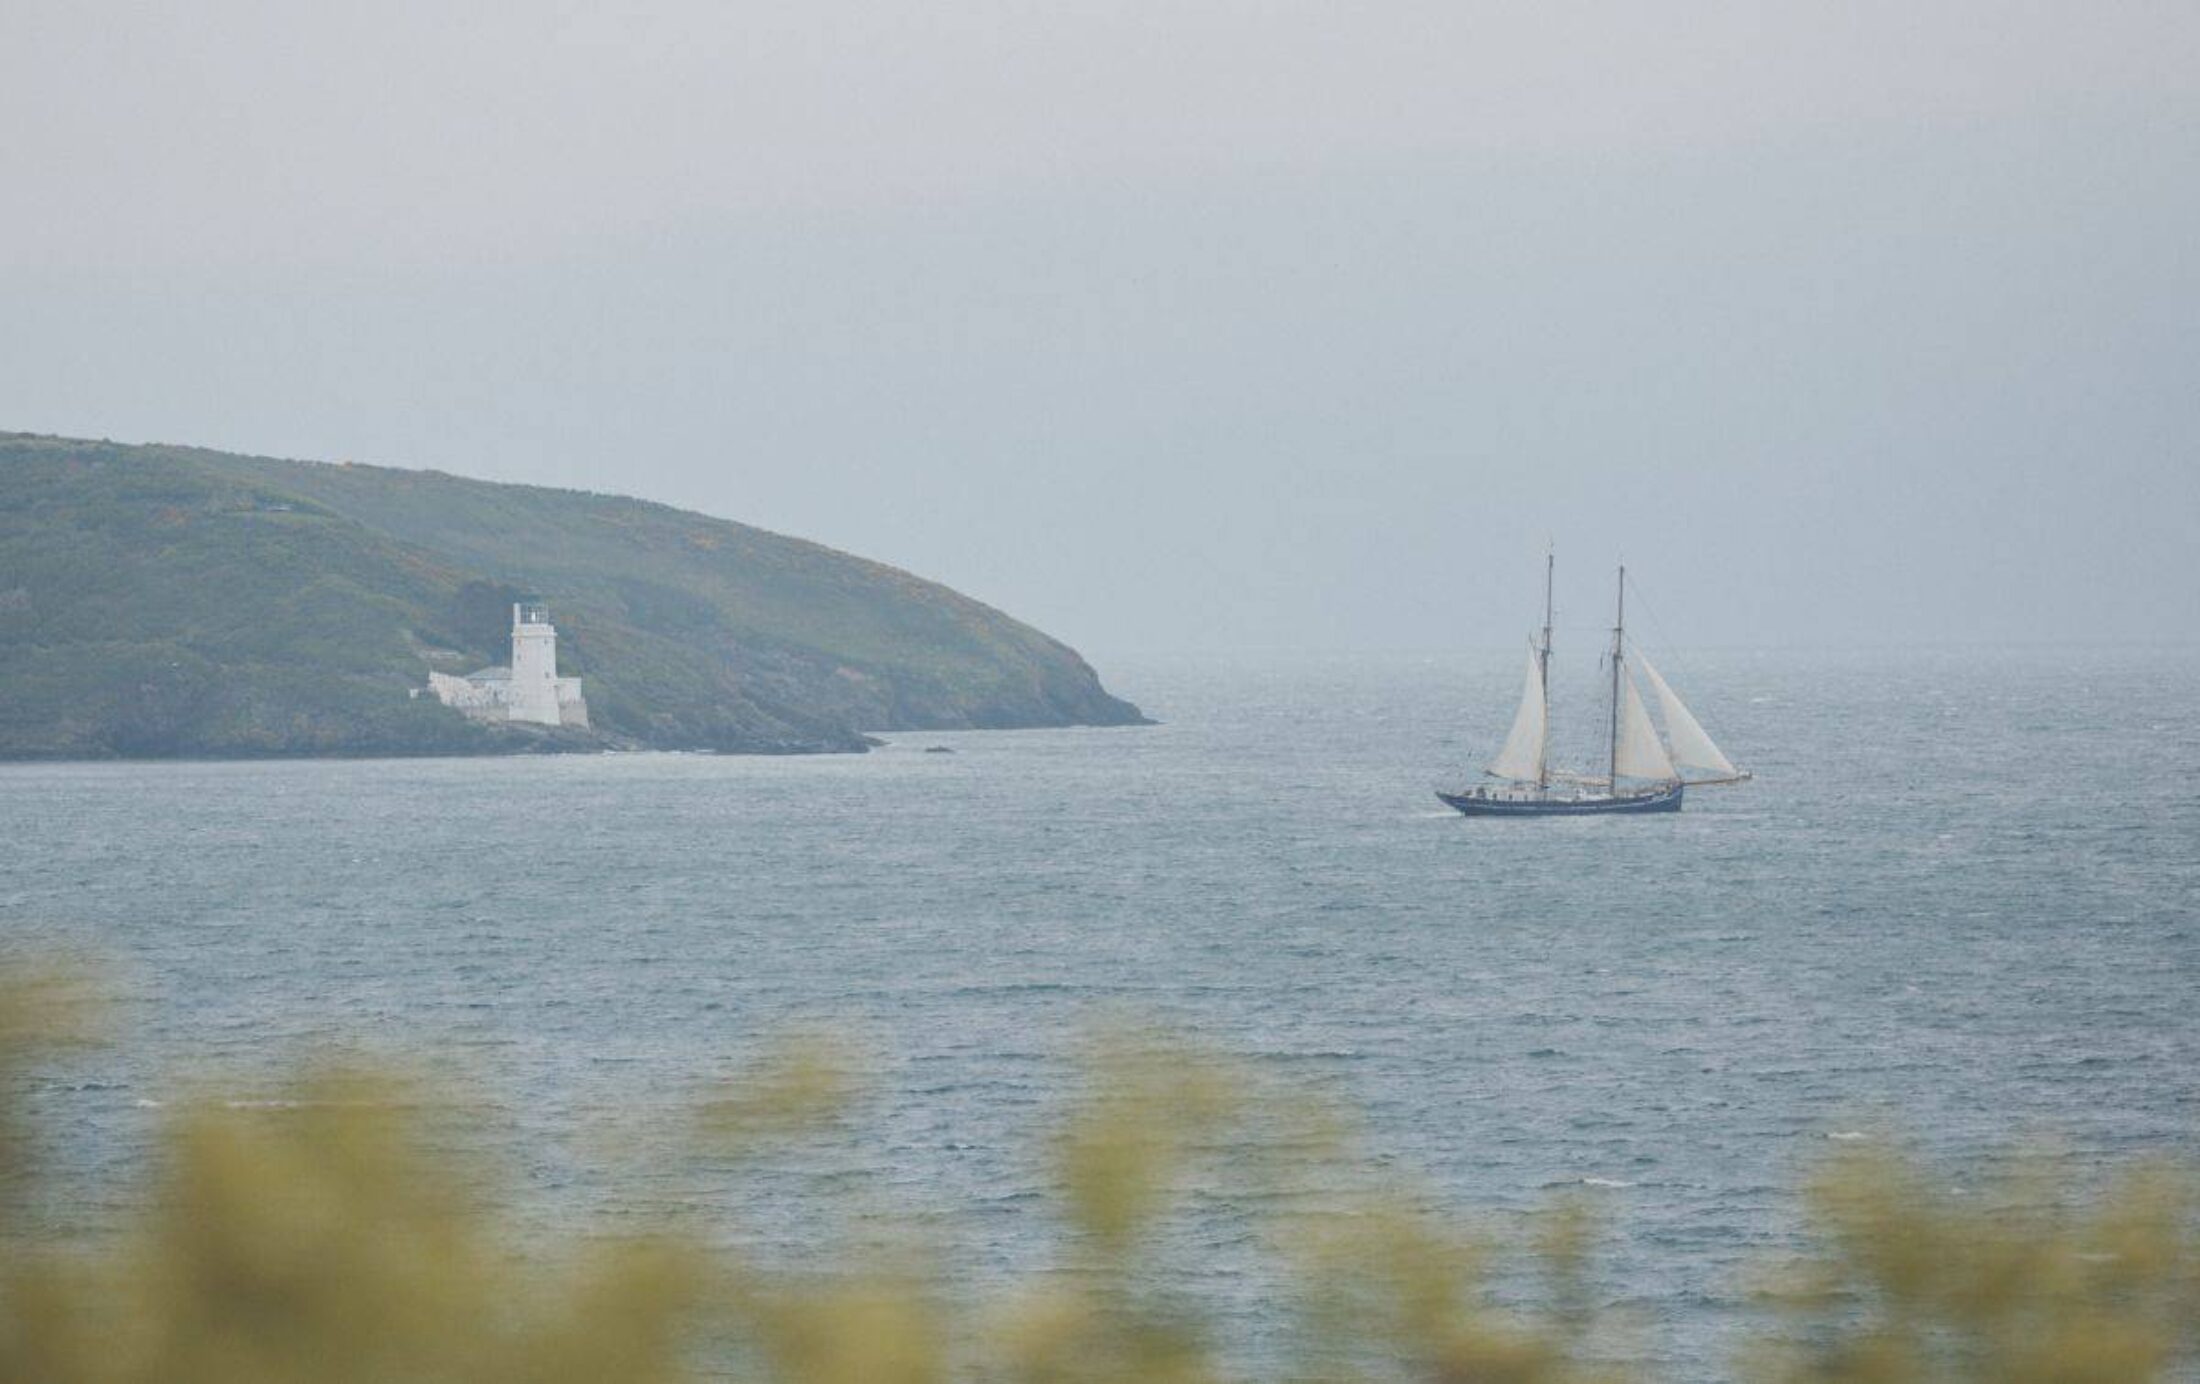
(530, 690)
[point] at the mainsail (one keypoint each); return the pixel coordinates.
(1522, 756)
(1637, 753)
(1692, 749)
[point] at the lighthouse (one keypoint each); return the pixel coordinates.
(530, 690)
(534, 687)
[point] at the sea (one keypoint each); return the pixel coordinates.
(1958, 907)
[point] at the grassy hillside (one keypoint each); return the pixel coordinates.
(172, 601)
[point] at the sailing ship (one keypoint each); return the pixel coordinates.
(1643, 773)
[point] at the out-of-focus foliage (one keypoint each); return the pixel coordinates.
(320, 1237)
(332, 1235)
(2009, 1283)
(39, 1010)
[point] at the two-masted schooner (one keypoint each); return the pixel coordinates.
(1643, 773)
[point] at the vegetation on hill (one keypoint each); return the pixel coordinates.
(334, 1235)
(173, 601)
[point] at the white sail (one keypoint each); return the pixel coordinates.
(1639, 753)
(1522, 756)
(1692, 749)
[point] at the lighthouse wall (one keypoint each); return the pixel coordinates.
(572, 706)
(484, 701)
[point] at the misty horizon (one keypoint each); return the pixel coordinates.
(1228, 328)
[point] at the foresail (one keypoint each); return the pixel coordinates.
(1692, 749)
(1522, 756)
(1639, 754)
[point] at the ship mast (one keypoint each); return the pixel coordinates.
(1619, 633)
(1543, 760)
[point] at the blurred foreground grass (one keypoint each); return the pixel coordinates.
(332, 1236)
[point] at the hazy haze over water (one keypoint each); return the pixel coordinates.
(1961, 897)
(1164, 326)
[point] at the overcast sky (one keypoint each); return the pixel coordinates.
(1181, 324)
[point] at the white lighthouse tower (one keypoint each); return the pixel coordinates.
(534, 688)
(530, 690)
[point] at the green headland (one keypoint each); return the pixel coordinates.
(169, 601)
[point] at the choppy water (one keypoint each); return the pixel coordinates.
(1964, 894)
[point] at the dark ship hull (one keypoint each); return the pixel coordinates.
(1520, 803)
